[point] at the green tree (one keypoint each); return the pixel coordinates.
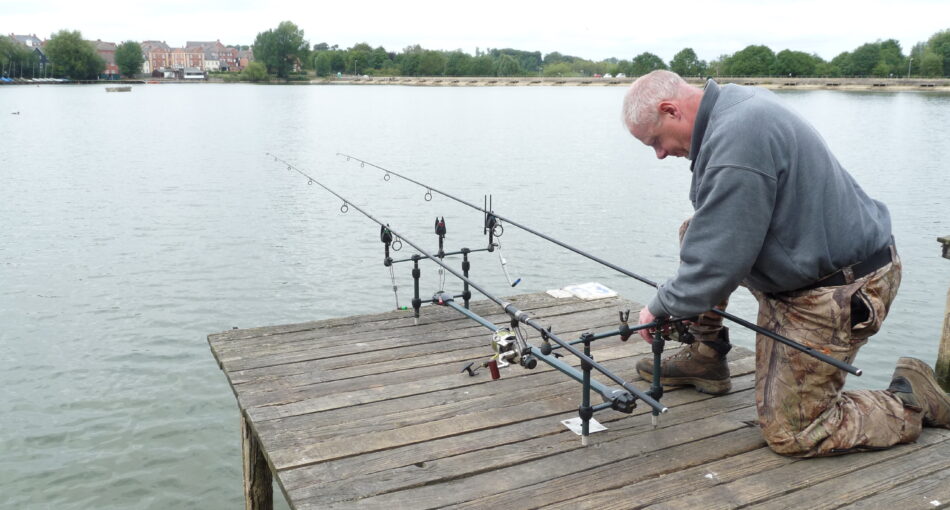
(558, 69)
(129, 59)
(322, 62)
(457, 63)
(916, 58)
(939, 44)
(718, 66)
(556, 58)
(73, 57)
(686, 63)
(281, 48)
(507, 65)
(751, 61)
(823, 68)
(881, 70)
(892, 56)
(482, 66)
(358, 58)
(645, 63)
(931, 65)
(527, 60)
(864, 58)
(408, 61)
(254, 72)
(843, 63)
(431, 63)
(795, 63)
(15, 58)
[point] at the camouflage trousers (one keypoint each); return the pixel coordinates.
(801, 408)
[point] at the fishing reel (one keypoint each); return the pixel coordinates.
(510, 348)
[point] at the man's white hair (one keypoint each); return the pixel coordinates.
(640, 103)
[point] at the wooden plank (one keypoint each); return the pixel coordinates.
(318, 368)
(670, 485)
(525, 454)
(307, 348)
(397, 319)
(793, 476)
(539, 448)
(343, 393)
(695, 480)
(892, 469)
(469, 454)
(724, 435)
(929, 491)
(430, 429)
(482, 393)
(258, 490)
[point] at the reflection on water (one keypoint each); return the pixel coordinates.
(135, 224)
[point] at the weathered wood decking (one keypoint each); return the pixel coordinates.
(371, 411)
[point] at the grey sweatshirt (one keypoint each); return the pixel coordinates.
(773, 207)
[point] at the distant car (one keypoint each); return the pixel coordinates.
(608, 75)
(621, 75)
(598, 76)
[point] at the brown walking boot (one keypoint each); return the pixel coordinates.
(699, 364)
(914, 383)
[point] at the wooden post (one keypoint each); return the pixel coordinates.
(943, 355)
(258, 491)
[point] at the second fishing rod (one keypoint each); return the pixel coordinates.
(491, 217)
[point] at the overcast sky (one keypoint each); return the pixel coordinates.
(591, 29)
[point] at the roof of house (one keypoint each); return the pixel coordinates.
(103, 45)
(27, 40)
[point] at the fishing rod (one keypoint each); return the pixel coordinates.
(490, 215)
(511, 345)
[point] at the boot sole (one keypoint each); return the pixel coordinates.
(921, 368)
(702, 385)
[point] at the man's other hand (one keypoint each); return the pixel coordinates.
(645, 318)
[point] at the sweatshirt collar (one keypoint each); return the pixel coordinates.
(710, 96)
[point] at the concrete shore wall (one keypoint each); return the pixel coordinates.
(923, 84)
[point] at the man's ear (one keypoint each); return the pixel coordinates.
(669, 108)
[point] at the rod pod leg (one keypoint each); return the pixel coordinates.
(656, 388)
(585, 410)
(416, 301)
(466, 265)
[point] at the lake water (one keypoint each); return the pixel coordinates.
(132, 225)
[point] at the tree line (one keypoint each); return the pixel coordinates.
(68, 56)
(284, 49)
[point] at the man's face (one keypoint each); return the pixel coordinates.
(669, 136)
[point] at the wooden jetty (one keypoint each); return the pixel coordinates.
(374, 412)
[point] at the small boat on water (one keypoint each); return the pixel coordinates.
(127, 88)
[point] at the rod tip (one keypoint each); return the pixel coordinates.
(664, 410)
(859, 372)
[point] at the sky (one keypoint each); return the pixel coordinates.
(590, 29)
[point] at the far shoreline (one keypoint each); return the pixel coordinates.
(769, 82)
